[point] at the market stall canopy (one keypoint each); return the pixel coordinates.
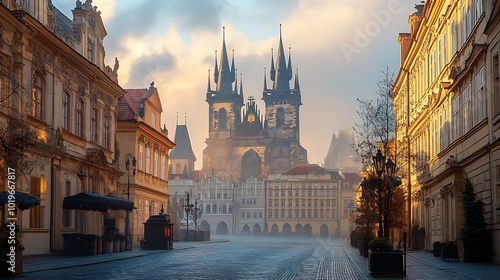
(23, 200)
(96, 202)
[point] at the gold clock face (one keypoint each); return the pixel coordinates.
(251, 118)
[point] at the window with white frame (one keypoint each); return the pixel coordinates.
(467, 109)
(37, 97)
(455, 118)
(148, 160)
(141, 157)
(478, 5)
(463, 24)
(163, 166)
(155, 164)
(479, 97)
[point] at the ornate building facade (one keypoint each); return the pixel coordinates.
(53, 79)
(446, 100)
(244, 144)
(141, 138)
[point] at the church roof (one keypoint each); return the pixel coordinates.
(302, 169)
(182, 149)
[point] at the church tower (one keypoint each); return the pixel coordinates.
(182, 157)
(224, 107)
(282, 114)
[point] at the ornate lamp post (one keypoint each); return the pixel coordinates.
(379, 163)
(188, 208)
(128, 240)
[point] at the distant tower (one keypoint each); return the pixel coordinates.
(340, 153)
(182, 157)
(224, 107)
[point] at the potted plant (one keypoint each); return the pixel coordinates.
(107, 243)
(436, 249)
(449, 251)
(383, 260)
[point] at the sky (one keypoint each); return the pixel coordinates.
(339, 47)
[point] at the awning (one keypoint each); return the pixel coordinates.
(96, 202)
(23, 200)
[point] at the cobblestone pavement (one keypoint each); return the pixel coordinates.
(246, 257)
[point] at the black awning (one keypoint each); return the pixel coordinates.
(23, 200)
(96, 202)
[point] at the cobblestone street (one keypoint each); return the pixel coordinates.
(246, 257)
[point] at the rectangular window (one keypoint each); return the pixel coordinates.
(466, 97)
(153, 119)
(479, 10)
(140, 163)
(260, 215)
(90, 50)
(455, 118)
(496, 83)
(463, 24)
(79, 118)
(37, 97)
(479, 97)
(65, 110)
(148, 160)
(106, 133)
(453, 36)
(243, 215)
(155, 164)
(163, 167)
(93, 125)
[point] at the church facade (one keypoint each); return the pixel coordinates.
(241, 141)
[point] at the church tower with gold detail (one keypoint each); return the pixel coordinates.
(241, 141)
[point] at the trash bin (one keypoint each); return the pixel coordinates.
(158, 233)
(73, 243)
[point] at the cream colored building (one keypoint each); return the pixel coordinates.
(310, 200)
(141, 137)
(55, 79)
(447, 103)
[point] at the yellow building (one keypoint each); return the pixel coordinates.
(53, 77)
(310, 200)
(141, 138)
(446, 97)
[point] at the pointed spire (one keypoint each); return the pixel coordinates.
(216, 71)
(236, 82)
(290, 71)
(265, 80)
(296, 86)
(241, 84)
(208, 84)
(282, 77)
(225, 74)
(272, 73)
(233, 70)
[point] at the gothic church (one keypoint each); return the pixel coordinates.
(243, 142)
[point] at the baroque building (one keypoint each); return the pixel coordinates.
(53, 79)
(312, 201)
(144, 142)
(244, 144)
(447, 104)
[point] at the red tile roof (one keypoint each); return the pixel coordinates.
(302, 169)
(128, 105)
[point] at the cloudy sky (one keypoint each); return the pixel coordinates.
(339, 47)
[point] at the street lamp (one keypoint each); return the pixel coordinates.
(127, 219)
(188, 208)
(379, 163)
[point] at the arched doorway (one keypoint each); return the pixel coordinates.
(205, 225)
(308, 230)
(299, 230)
(221, 228)
(250, 165)
(257, 229)
(245, 230)
(323, 231)
(287, 229)
(274, 229)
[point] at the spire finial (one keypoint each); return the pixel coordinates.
(185, 118)
(177, 119)
(224, 33)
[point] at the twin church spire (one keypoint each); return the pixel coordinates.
(225, 75)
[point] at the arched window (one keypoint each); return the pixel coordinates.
(65, 111)
(37, 97)
(79, 118)
(224, 209)
(222, 119)
(280, 117)
(214, 209)
(208, 209)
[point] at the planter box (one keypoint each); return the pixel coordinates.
(449, 256)
(390, 262)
